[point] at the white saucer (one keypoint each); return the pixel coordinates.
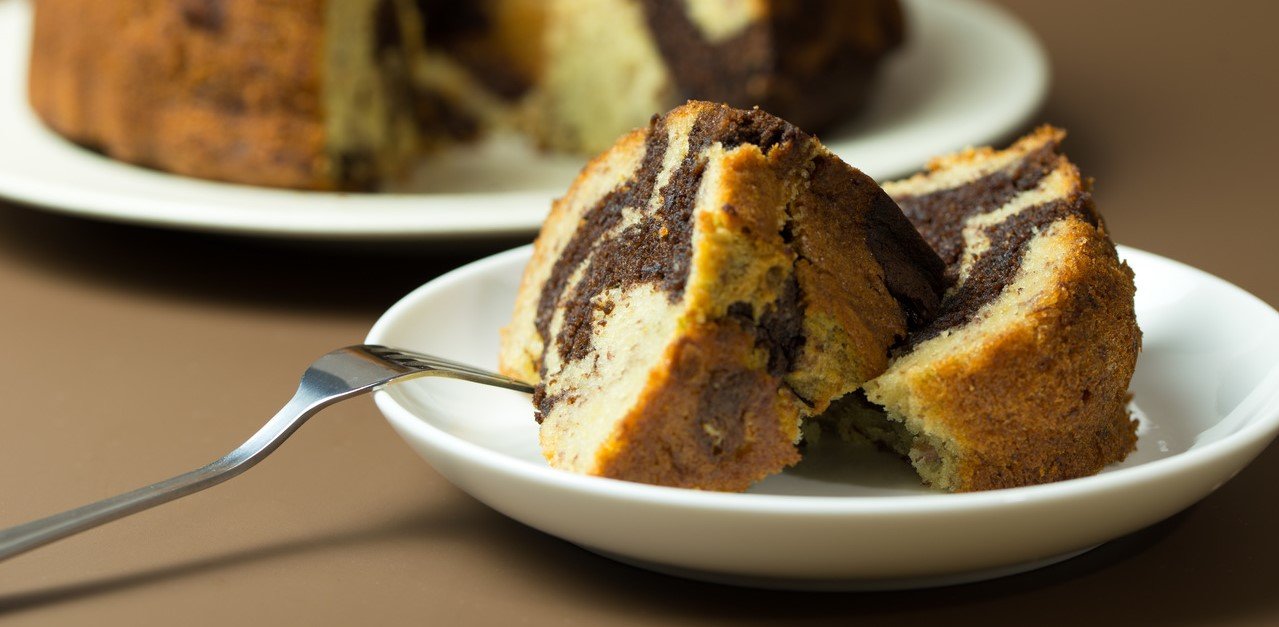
(970, 75)
(1206, 389)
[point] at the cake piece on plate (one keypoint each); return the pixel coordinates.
(703, 285)
(1023, 376)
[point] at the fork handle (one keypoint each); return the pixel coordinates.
(37, 533)
(336, 376)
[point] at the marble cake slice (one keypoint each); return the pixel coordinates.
(704, 285)
(1023, 376)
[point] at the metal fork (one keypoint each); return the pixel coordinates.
(337, 376)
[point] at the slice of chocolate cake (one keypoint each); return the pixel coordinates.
(701, 287)
(1022, 378)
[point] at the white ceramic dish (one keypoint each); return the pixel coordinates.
(970, 75)
(1206, 388)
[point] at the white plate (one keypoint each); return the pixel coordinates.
(1206, 387)
(970, 75)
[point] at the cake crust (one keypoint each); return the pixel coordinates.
(1022, 378)
(221, 90)
(1045, 399)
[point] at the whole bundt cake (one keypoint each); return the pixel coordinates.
(346, 94)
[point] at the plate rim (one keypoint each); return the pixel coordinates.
(1262, 401)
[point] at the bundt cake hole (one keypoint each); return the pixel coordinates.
(368, 93)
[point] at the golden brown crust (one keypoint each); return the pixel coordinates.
(1036, 392)
(1022, 378)
(1051, 392)
(221, 90)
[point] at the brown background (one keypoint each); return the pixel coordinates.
(130, 355)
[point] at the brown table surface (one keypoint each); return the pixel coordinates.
(130, 355)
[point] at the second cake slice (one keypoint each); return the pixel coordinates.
(704, 285)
